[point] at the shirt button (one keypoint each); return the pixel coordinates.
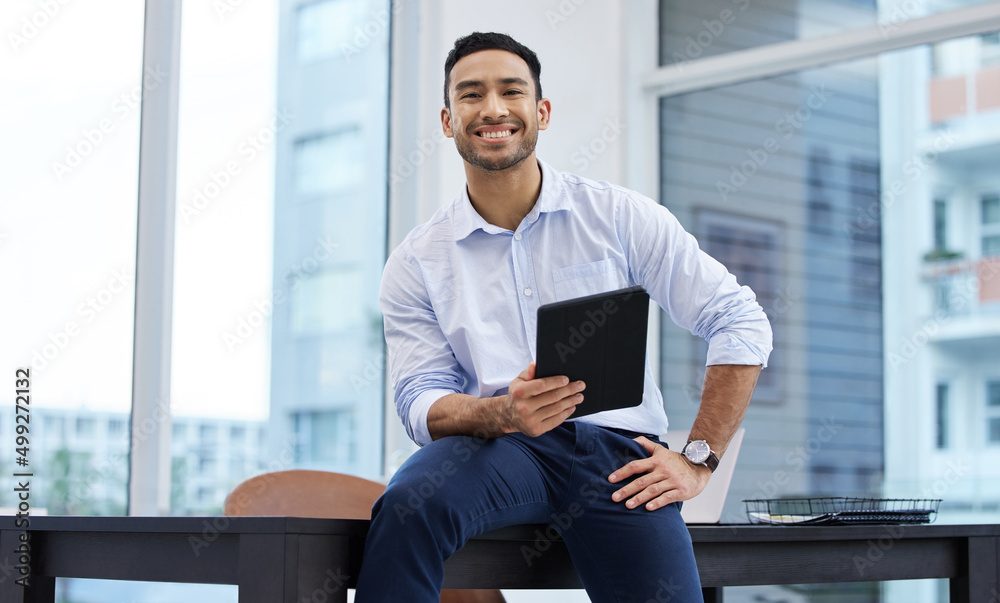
(527, 292)
(517, 237)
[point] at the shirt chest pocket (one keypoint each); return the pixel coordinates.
(586, 279)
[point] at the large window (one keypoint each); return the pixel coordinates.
(770, 176)
(72, 81)
(72, 97)
(72, 77)
(280, 243)
(877, 281)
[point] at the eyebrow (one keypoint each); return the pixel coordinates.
(479, 83)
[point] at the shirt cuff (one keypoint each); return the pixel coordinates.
(726, 348)
(417, 416)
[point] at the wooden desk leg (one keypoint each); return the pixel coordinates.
(265, 563)
(981, 579)
(712, 595)
(324, 569)
(290, 568)
(42, 589)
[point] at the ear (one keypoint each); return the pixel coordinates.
(446, 122)
(544, 113)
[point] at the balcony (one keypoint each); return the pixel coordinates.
(966, 302)
(950, 96)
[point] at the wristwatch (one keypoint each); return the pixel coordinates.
(700, 453)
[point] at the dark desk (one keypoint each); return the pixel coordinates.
(288, 559)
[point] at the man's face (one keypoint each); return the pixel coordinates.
(494, 116)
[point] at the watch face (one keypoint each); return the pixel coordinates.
(697, 451)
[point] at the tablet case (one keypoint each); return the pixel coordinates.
(599, 339)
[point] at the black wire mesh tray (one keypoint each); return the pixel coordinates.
(841, 511)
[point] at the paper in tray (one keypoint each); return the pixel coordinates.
(841, 511)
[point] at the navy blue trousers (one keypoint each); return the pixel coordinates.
(460, 486)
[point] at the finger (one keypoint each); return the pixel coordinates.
(559, 405)
(648, 444)
(661, 489)
(530, 371)
(632, 488)
(571, 391)
(661, 501)
(631, 468)
(542, 422)
(557, 419)
(531, 388)
(538, 387)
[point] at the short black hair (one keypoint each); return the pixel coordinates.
(477, 41)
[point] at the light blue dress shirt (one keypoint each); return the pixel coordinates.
(460, 296)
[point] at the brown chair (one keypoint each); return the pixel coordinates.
(307, 493)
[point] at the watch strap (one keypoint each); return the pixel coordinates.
(712, 462)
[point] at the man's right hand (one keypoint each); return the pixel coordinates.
(535, 406)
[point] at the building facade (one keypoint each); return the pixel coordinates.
(330, 208)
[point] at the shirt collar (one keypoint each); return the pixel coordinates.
(551, 198)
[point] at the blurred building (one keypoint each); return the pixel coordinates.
(943, 337)
(79, 459)
(327, 358)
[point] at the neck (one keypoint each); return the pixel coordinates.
(504, 197)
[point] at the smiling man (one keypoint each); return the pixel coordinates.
(498, 446)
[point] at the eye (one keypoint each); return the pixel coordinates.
(513, 92)
(470, 95)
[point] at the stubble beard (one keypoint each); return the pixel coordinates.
(522, 151)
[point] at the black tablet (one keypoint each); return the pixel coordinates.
(600, 340)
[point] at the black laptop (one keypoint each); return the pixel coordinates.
(600, 340)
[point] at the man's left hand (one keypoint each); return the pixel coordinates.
(665, 477)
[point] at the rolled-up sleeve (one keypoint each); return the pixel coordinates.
(422, 366)
(696, 290)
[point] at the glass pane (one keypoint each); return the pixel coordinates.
(991, 210)
(993, 393)
(280, 244)
(692, 30)
(70, 120)
(330, 203)
(991, 245)
(712, 27)
(102, 591)
(326, 28)
(769, 176)
(329, 164)
(874, 292)
(940, 224)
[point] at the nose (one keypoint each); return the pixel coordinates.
(493, 107)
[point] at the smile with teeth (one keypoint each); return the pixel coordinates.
(500, 134)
